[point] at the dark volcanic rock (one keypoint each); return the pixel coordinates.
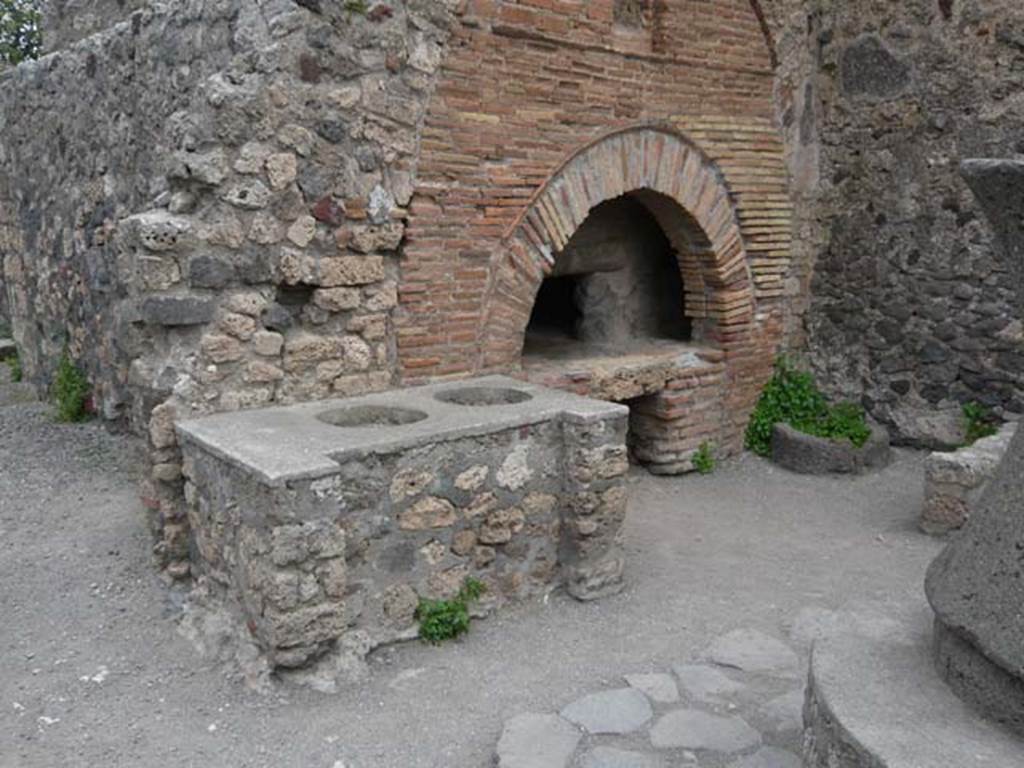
(810, 455)
(976, 586)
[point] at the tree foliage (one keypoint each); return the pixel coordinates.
(20, 37)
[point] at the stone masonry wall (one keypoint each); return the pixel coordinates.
(350, 554)
(908, 311)
(203, 204)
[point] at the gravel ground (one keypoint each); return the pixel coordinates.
(94, 673)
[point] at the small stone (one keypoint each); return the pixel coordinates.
(472, 478)
(501, 526)
(483, 556)
(433, 552)
(296, 137)
(251, 157)
(693, 729)
(302, 231)
(240, 326)
(249, 195)
(515, 471)
(161, 426)
(263, 373)
(430, 512)
(769, 757)
(245, 304)
(609, 757)
(399, 605)
(620, 711)
(276, 318)
(536, 741)
(333, 577)
(282, 169)
(540, 504)
(337, 299)
(705, 684)
(267, 343)
(328, 211)
(168, 472)
(658, 687)
(265, 229)
(356, 353)
(463, 543)
(410, 482)
(753, 651)
(210, 272)
(220, 349)
(289, 545)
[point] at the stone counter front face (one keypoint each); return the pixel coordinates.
(522, 496)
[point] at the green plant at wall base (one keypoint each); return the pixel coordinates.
(70, 391)
(14, 363)
(704, 459)
(979, 422)
(792, 397)
(442, 620)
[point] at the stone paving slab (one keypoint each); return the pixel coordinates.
(660, 688)
(694, 729)
(621, 711)
(706, 684)
(751, 650)
(537, 741)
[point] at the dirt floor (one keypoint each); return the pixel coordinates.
(93, 671)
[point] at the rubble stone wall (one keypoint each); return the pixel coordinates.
(896, 292)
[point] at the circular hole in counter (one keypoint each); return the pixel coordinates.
(481, 396)
(371, 416)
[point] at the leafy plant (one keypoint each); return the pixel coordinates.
(14, 363)
(979, 422)
(704, 460)
(20, 36)
(792, 397)
(442, 620)
(70, 391)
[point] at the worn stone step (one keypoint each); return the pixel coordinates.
(877, 702)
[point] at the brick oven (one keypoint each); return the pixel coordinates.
(601, 206)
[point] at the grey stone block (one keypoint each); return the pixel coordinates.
(810, 455)
(621, 711)
(176, 310)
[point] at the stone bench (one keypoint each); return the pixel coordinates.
(954, 482)
(327, 518)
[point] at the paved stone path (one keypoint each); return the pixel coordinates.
(737, 706)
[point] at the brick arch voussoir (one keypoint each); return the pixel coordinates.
(641, 159)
